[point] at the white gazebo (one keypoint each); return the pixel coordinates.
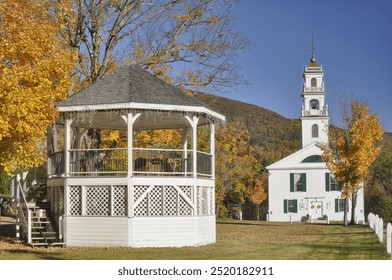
(133, 196)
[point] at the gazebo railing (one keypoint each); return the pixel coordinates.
(146, 162)
(98, 162)
(162, 162)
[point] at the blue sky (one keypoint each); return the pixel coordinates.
(353, 40)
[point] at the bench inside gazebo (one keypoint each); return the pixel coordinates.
(134, 195)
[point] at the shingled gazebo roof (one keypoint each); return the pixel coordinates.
(131, 87)
(130, 83)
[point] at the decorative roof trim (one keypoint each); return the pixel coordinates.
(142, 106)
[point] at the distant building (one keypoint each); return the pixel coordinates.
(300, 185)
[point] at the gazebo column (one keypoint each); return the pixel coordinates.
(185, 133)
(77, 148)
(212, 149)
(193, 122)
(130, 119)
(67, 155)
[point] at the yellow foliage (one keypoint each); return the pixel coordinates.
(256, 193)
(163, 138)
(34, 74)
(236, 164)
(352, 151)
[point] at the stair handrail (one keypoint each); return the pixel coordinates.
(23, 210)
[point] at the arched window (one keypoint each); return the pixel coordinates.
(315, 131)
(313, 82)
(314, 104)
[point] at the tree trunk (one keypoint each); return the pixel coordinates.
(258, 212)
(353, 205)
(345, 212)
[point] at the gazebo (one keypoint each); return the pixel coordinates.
(133, 196)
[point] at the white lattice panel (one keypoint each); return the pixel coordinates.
(170, 201)
(138, 191)
(155, 201)
(211, 201)
(187, 190)
(141, 208)
(183, 208)
(98, 201)
(163, 201)
(119, 201)
(75, 200)
(198, 200)
(204, 201)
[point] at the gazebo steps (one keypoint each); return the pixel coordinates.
(43, 232)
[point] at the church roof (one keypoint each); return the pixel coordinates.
(130, 84)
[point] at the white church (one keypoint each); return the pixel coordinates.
(300, 185)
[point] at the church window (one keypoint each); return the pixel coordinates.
(312, 159)
(340, 204)
(315, 131)
(313, 82)
(330, 183)
(297, 182)
(290, 206)
(314, 104)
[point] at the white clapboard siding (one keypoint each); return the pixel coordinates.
(97, 231)
(206, 230)
(172, 231)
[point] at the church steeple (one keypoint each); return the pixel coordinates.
(314, 114)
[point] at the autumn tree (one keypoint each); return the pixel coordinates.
(236, 164)
(257, 194)
(35, 63)
(353, 150)
(197, 37)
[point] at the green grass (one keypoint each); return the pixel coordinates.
(239, 240)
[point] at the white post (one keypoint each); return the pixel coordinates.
(193, 122)
(77, 147)
(185, 151)
(60, 228)
(68, 123)
(29, 226)
(381, 230)
(389, 239)
(17, 197)
(130, 119)
(212, 149)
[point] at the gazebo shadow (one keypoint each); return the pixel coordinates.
(7, 229)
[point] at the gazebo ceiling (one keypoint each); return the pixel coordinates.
(146, 121)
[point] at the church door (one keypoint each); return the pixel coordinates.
(316, 209)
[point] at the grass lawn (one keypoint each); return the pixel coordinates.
(235, 240)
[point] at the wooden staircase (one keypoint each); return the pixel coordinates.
(43, 228)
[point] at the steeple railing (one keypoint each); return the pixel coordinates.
(315, 113)
(313, 89)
